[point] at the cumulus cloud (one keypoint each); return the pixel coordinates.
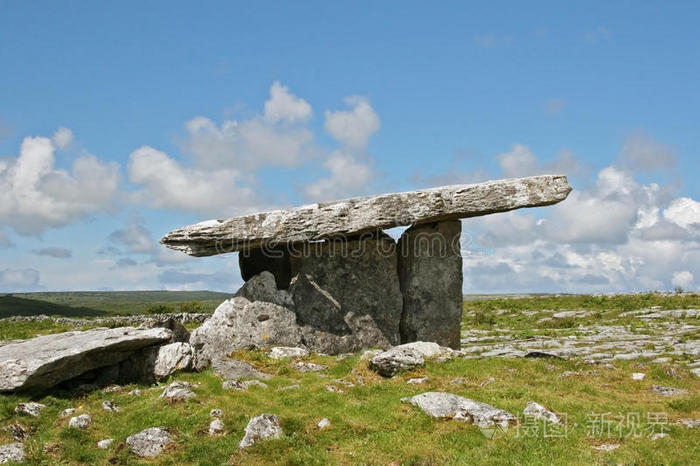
(350, 169)
(17, 280)
(56, 253)
(277, 138)
(34, 195)
(135, 238)
(62, 138)
(615, 235)
(521, 161)
(353, 127)
(284, 106)
(643, 153)
(166, 183)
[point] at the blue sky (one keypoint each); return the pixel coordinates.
(121, 121)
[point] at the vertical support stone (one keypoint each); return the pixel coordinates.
(430, 275)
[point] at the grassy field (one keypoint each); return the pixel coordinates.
(370, 424)
(102, 303)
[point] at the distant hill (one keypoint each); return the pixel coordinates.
(100, 303)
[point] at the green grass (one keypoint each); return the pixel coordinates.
(101, 303)
(370, 424)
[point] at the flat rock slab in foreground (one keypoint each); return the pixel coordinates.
(48, 360)
(366, 214)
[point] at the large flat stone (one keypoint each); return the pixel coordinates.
(48, 360)
(430, 273)
(358, 215)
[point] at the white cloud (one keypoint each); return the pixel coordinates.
(284, 106)
(135, 238)
(168, 184)
(642, 153)
(348, 176)
(353, 128)
(16, 280)
(521, 161)
(350, 168)
(34, 195)
(684, 212)
(62, 138)
(683, 279)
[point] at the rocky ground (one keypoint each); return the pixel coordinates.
(536, 381)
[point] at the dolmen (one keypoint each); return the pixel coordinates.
(327, 278)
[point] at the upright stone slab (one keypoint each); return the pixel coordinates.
(430, 273)
(347, 286)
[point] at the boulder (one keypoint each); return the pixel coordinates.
(149, 443)
(355, 216)
(286, 352)
(178, 391)
(30, 408)
(105, 444)
(48, 360)
(12, 452)
(262, 287)
(537, 411)
(430, 273)
(80, 422)
(265, 426)
(216, 427)
(450, 406)
(398, 358)
(171, 358)
(240, 324)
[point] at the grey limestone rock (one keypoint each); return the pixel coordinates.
(265, 426)
(448, 405)
(149, 443)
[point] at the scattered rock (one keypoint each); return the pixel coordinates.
(135, 392)
(265, 426)
(536, 410)
(448, 405)
(67, 412)
(18, 431)
(178, 391)
(105, 444)
(109, 406)
(398, 358)
(689, 423)
(347, 383)
(569, 374)
(242, 385)
(216, 413)
(606, 447)
(334, 389)
(113, 389)
(30, 408)
(149, 443)
(417, 381)
(486, 382)
(282, 352)
(323, 423)
(668, 391)
(289, 387)
(570, 314)
(80, 422)
(48, 360)
(233, 369)
(659, 435)
(216, 427)
(304, 367)
(13, 452)
(638, 376)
